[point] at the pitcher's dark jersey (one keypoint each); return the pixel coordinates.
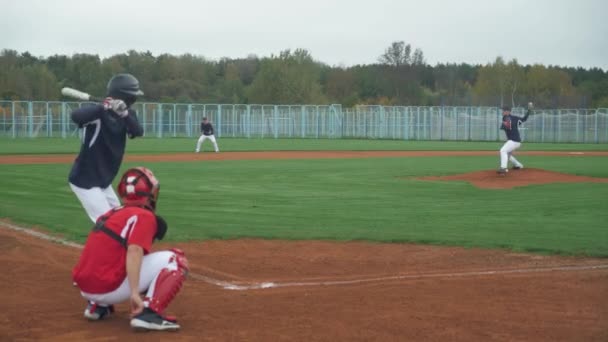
(104, 138)
(510, 124)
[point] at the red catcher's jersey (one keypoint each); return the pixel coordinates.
(102, 265)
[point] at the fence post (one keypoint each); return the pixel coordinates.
(234, 125)
(189, 121)
(159, 120)
(318, 126)
(219, 120)
(584, 125)
(49, 120)
(49, 116)
(395, 125)
(426, 118)
(275, 121)
(403, 126)
(173, 118)
(555, 121)
(248, 126)
(303, 121)
(63, 120)
(263, 121)
(441, 114)
(418, 123)
(542, 127)
(470, 114)
(597, 139)
(14, 119)
(578, 139)
(559, 125)
(30, 119)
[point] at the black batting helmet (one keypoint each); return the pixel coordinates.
(124, 87)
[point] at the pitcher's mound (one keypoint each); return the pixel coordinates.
(492, 180)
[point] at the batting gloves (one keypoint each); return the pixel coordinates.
(116, 105)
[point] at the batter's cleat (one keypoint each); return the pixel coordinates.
(502, 171)
(518, 167)
(149, 320)
(95, 312)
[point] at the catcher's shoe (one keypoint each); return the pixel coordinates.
(95, 312)
(502, 171)
(151, 320)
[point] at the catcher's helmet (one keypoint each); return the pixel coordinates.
(138, 186)
(124, 87)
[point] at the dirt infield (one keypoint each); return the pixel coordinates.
(182, 157)
(339, 292)
(514, 178)
(255, 290)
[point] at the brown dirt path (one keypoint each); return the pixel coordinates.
(488, 179)
(39, 303)
(181, 157)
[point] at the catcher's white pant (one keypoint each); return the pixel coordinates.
(152, 264)
(506, 154)
(203, 138)
(96, 201)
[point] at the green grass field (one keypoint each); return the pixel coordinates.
(347, 199)
(171, 145)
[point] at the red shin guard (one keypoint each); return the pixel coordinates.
(168, 283)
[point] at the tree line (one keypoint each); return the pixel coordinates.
(401, 76)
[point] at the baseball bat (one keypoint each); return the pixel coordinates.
(79, 95)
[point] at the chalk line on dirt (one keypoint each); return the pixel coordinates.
(245, 286)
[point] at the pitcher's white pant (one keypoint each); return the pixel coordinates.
(96, 201)
(506, 154)
(152, 264)
(202, 139)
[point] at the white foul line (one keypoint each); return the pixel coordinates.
(245, 286)
(268, 285)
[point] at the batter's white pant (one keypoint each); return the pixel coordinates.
(152, 264)
(506, 154)
(96, 201)
(203, 138)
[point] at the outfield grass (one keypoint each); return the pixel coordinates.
(348, 199)
(169, 145)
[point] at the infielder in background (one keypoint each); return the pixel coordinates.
(206, 133)
(116, 264)
(104, 130)
(510, 124)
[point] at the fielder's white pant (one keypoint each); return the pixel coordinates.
(152, 264)
(506, 154)
(96, 201)
(203, 138)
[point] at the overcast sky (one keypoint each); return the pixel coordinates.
(336, 32)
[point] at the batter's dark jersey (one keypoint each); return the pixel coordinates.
(104, 138)
(206, 128)
(510, 124)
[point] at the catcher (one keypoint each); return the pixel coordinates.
(510, 124)
(116, 264)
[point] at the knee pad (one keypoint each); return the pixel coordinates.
(179, 258)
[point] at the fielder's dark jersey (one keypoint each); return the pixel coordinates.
(104, 136)
(510, 124)
(206, 128)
